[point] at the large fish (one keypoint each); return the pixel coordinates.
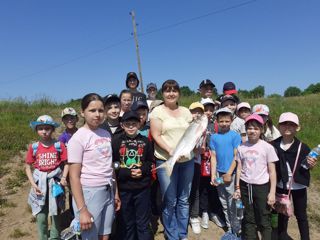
(193, 136)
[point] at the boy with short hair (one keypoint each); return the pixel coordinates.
(142, 110)
(69, 118)
(223, 147)
(134, 152)
(132, 83)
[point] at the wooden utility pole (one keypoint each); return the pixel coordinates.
(137, 48)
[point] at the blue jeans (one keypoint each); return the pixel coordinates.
(175, 191)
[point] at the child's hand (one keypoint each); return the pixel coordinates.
(311, 161)
(227, 178)
(213, 180)
(237, 194)
(63, 181)
(117, 203)
(37, 190)
(86, 219)
(271, 199)
(136, 173)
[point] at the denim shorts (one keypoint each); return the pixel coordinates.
(100, 203)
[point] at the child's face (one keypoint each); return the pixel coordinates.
(112, 110)
(44, 131)
(253, 133)
(209, 110)
(126, 101)
(70, 121)
(93, 114)
(224, 123)
(288, 129)
(206, 91)
(152, 93)
(229, 104)
(196, 113)
(244, 112)
(131, 127)
(132, 83)
(143, 115)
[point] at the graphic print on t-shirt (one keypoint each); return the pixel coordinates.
(251, 156)
(103, 146)
(131, 152)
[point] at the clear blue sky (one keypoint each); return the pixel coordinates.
(64, 49)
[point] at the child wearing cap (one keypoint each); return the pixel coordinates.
(223, 145)
(152, 93)
(69, 118)
(256, 180)
(287, 150)
(112, 111)
(134, 152)
(243, 110)
(47, 157)
(132, 83)
(142, 110)
(197, 110)
(270, 131)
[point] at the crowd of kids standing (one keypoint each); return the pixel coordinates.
(109, 164)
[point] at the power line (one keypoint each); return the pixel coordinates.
(97, 51)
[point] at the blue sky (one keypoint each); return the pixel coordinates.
(65, 49)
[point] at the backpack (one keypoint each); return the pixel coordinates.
(57, 146)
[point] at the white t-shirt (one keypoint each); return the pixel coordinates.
(93, 150)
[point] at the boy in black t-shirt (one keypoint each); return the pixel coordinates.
(134, 152)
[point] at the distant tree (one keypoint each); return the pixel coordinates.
(274, 95)
(185, 91)
(244, 94)
(257, 92)
(313, 88)
(292, 92)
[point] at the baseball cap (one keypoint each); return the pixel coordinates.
(68, 111)
(229, 88)
(223, 110)
(131, 115)
(111, 98)
(195, 105)
(43, 120)
(289, 117)
(225, 98)
(261, 109)
(206, 101)
(243, 105)
(151, 85)
(139, 104)
(131, 75)
(255, 117)
(206, 82)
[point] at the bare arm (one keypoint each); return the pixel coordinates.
(65, 175)
(227, 177)
(155, 128)
(116, 194)
(237, 193)
(85, 215)
(30, 177)
(273, 182)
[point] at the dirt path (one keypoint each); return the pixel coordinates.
(18, 219)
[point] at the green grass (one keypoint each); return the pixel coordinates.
(17, 233)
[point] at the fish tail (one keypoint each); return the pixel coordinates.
(166, 166)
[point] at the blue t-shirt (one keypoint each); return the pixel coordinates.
(224, 144)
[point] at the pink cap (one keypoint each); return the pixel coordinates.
(261, 109)
(255, 117)
(289, 117)
(243, 105)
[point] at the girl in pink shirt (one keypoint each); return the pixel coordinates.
(256, 180)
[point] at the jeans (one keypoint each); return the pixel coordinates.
(175, 191)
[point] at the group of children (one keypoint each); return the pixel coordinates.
(110, 161)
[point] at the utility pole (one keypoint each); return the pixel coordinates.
(137, 48)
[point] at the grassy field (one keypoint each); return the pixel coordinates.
(16, 115)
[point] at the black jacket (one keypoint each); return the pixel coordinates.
(301, 175)
(128, 151)
(106, 126)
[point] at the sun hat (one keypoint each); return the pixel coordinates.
(206, 101)
(111, 98)
(223, 110)
(206, 82)
(152, 85)
(195, 105)
(229, 88)
(131, 75)
(261, 109)
(68, 111)
(243, 105)
(139, 104)
(44, 120)
(131, 115)
(255, 117)
(289, 117)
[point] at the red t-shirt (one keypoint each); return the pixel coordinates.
(46, 158)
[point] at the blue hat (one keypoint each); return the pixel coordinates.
(44, 120)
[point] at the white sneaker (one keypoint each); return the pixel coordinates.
(195, 225)
(205, 220)
(217, 220)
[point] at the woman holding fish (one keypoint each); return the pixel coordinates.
(169, 122)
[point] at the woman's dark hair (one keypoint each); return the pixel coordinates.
(89, 98)
(255, 123)
(170, 84)
(124, 91)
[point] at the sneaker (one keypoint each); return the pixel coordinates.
(217, 220)
(205, 220)
(195, 225)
